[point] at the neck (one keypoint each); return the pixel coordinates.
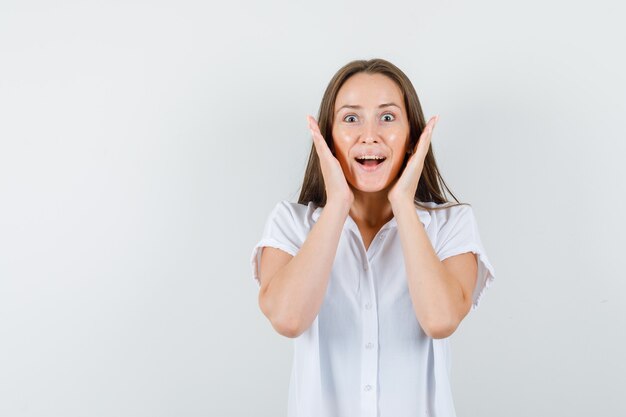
(371, 210)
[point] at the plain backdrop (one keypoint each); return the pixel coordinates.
(143, 145)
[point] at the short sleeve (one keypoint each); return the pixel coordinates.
(280, 232)
(459, 234)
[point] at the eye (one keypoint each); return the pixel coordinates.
(392, 117)
(350, 115)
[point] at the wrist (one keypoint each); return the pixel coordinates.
(401, 202)
(342, 206)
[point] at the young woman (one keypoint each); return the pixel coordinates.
(372, 270)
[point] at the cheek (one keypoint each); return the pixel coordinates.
(340, 149)
(397, 169)
(341, 135)
(341, 141)
(398, 133)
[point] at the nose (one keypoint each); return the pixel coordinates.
(370, 131)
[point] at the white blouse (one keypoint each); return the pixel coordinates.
(365, 353)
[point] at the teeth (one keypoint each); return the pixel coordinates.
(371, 157)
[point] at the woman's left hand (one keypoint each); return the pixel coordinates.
(406, 185)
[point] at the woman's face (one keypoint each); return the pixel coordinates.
(370, 119)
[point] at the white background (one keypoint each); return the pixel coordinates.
(143, 144)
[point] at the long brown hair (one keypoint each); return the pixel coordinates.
(429, 188)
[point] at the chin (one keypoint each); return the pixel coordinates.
(371, 187)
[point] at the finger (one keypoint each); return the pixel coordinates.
(425, 132)
(428, 129)
(313, 125)
(315, 131)
(320, 143)
(311, 128)
(434, 121)
(421, 147)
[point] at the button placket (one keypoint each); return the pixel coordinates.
(374, 247)
(369, 358)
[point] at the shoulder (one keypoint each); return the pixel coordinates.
(293, 213)
(443, 214)
(294, 209)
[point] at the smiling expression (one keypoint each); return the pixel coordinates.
(370, 118)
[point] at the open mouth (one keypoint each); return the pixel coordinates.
(370, 162)
(369, 165)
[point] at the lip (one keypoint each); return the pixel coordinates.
(372, 168)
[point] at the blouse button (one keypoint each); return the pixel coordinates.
(369, 345)
(368, 305)
(368, 387)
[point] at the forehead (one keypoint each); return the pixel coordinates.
(369, 90)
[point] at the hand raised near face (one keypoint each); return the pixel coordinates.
(405, 185)
(337, 188)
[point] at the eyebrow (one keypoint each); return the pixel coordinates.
(354, 106)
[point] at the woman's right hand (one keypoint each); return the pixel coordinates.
(337, 188)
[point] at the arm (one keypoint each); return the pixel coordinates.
(441, 293)
(292, 297)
